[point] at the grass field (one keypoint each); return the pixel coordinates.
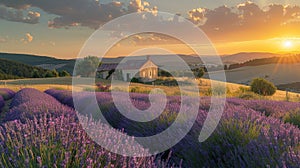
(233, 90)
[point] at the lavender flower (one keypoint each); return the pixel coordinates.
(2, 103)
(6, 93)
(251, 133)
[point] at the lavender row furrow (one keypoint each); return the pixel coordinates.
(6, 93)
(250, 134)
(41, 132)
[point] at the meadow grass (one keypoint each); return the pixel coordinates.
(65, 83)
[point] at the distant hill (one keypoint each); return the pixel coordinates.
(15, 70)
(41, 61)
(294, 59)
(245, 56)
(237, 60)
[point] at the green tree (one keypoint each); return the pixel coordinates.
(36, 74)
(49, 74)
(263, 87)
(87, 67)
(64, 73)
(55, 73)
(199, 72)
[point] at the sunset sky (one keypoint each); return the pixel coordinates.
(59, 28)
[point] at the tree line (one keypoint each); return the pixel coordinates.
(15, 70)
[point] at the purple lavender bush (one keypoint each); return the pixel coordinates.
(267, 107)
(61, 142)
(2, 103)
(250, 134)
(29, 103)
(41, 132)
(63, 96)
(6, 93)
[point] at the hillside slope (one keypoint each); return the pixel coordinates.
(14, 70)
(41, 61)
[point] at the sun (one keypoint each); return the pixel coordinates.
(287, 44)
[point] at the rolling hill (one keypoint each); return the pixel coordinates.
(41, 61)
(15, 70)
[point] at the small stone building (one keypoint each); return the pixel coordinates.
(146, 70)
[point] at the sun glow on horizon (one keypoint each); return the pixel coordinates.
(287, 44)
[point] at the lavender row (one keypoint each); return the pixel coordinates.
(2, 103)
(245, 137)
(29, 103)
(41, 132)
(6, 93)
(65, 97)
(61, 142)
(267, 107)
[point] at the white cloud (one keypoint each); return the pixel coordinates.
(27, 39)
(88, 13)
(17, 15)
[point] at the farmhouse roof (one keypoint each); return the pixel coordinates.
(128, 65)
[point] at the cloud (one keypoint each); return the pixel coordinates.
(198, 15)
(247, 21)
(17, 15)
(151, 39)
(27, 39)
(88, 13)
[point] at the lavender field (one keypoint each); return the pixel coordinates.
(43, 130)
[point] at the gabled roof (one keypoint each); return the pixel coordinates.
(132, 64)
(107, 67)
(128, 65)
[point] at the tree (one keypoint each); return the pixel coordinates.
(36, 74)
(64, 73)
(55, 73)
(87, 67)
(199, 72)
(263, 87)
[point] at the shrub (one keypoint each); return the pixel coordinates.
(135, 80)
(218, 90)
(263, 87)
(64, 73)
(248, 96)
(2, 103)
(293, 117)
(6, 93)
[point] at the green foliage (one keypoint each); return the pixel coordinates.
(135, 80)
(166, 81)
(245, 93)
(64, 73)
(199, 72)
(140, 90)
(263, 87)
(15, 70)
(218, 90)
(164, 73)
(293, 117)
(87, 67)
(52, 74)
(248, 96)
(36, 74)
(55, 73)
(34, 60)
